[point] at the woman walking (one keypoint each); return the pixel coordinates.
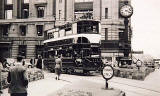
(58, 67)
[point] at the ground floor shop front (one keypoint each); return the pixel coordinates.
(27, 49)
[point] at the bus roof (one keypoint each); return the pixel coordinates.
(93, 38)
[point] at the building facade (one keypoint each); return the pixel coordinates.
(22, 23)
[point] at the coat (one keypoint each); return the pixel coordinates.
(39, 63)
(18, 79)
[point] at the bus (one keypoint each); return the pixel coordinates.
(77, 43)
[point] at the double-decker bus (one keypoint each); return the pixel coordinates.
(77, 43)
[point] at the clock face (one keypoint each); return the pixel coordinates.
(126, 11)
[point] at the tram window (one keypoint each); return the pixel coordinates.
(52, 54)
(95, 50)
(82, 40)
(87, 27)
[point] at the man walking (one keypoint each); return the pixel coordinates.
(17, 77)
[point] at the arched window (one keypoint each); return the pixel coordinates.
(82, 40)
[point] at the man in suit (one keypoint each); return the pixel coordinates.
(18, 79)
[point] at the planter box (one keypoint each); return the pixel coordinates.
(33, 75)
(133, 73)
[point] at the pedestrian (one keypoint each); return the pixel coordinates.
(58, 67)
(39, 63)
(18, 79)
(32, 61)
(5, 64)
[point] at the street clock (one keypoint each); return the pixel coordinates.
(126, 11)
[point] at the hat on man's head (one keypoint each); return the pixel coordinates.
(19, 58)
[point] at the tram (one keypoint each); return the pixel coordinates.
(77, 43)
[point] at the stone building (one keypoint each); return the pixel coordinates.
(22, 23)
(22, 32)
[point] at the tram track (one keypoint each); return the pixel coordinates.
(130, 88)
(137, 87)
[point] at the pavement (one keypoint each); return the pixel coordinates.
(93, 86)
(42, 87)
(67, 86)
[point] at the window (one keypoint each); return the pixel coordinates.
(40, 11)
(87, 27)
(22, 50)
(8, 14)
(39, 30)
(4, 29)
(25, 13)
(23, 30)
(26, 1)
(59, 14)
(106, 33)
(106, 13)
(9, 2)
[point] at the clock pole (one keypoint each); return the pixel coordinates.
(126, 43)
(126, 12)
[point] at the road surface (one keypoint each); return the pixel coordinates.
(149, 87)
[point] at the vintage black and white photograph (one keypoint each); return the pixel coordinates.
(79, 48)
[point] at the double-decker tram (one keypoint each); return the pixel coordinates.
(77, 43)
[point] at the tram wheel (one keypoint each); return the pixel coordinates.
(86, 72)
(52, 70)
(70, 71)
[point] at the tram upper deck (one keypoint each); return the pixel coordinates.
(78, 27)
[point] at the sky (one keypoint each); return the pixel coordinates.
(146, 27)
